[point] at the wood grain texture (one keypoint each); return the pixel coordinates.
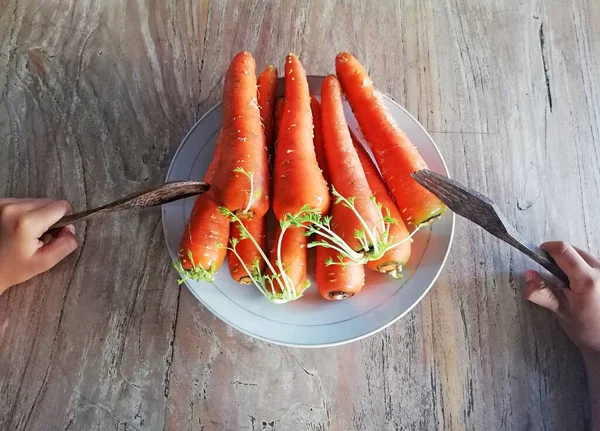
(95, 98)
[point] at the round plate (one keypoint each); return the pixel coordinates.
(311, 321)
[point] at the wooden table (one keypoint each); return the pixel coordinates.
(96, 96)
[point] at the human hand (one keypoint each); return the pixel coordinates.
(578, 308)
(26, 248)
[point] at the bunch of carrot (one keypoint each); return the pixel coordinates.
(298, 157)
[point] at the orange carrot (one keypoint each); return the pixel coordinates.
(395, 154)
(267, 86)
(315, 108)
(393, 260)
(243, 177)
(293, 254)
(297, 179)
(346, 174)
(334, 282)
(246, 253)
(246, 250)
(202, 249)
(337, 282)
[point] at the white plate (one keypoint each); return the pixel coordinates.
(311, 321)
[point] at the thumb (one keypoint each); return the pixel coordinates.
(537, 292)
(57, 249)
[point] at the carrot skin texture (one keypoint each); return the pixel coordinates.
(345, 171)
(247, 250)
(297, 179)
(207, 227)
(395, 154)
(267, 86)
(294, 256)
(335, 282)
(243, 143)
(393, 260)
(279, 104)
(315, 108)
(211, 172)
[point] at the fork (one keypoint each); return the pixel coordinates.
(484, 212)
(158, 195)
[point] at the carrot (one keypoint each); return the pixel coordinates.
(243, 177)
(347, 176)
(297, 179)
(292, 254)
(202, 252)
(315, 108)
(279, 104)
(395, 154)
(246, 250)
(246, 254)
(284, 278)
(393, 260)
(337, 282)
(334, 282)
(267, 86)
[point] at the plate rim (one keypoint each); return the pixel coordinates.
(347, 340)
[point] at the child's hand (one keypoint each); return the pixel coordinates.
(26, 248)
(578, 309)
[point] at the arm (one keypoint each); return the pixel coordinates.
(26, 246)
(577, 309)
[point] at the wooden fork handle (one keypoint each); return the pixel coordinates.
(162, 194)
(544, 259)
(484, 212)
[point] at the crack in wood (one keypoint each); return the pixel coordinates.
(201, 66)
(545, 65)
(58, 325)
(524, 206)
(237, 383)
(171, 352)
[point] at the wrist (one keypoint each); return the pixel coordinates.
(3, 285)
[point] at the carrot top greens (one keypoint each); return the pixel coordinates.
(196, 273)
(253, 194)
(286, 290)
(275, 284)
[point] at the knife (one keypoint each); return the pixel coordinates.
(484, 212)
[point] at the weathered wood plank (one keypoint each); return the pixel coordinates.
(101, 324)
(94, 99)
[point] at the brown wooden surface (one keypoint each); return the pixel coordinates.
(95, 98)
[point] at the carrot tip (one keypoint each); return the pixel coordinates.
(342, 57)
(330, 80)
(392, 268)
(338, 295)
(245, 280)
